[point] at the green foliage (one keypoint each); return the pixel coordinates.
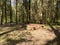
(29, 12)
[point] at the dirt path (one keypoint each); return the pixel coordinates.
(29, 37)
(39, 37)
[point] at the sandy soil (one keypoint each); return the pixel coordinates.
(39, 36)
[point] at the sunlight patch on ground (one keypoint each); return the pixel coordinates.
(34, 35)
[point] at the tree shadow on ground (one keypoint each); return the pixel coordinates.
(55, 41)
(16, 27)
(12, 25)
(14, 42)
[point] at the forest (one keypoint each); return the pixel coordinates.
(28, 22)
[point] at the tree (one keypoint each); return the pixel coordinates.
(2, 16)
(11, 20)
(5, 13)
(56, 12)
(26, 4)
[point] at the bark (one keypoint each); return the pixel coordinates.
(11, 20)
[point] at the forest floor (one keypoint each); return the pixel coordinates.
(29, 36)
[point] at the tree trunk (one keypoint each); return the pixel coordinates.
(16, 12)
(27, 8)
(2, 16)
(5, 13)
(10, 13)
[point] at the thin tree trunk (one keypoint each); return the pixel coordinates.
(11, 20)
(16, 12)
(29, 11)
(2, 16)
(5, 13)
(56, 14)
(42, 11)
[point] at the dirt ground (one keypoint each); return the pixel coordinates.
(38, 36)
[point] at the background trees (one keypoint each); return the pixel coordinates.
(29, 11)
